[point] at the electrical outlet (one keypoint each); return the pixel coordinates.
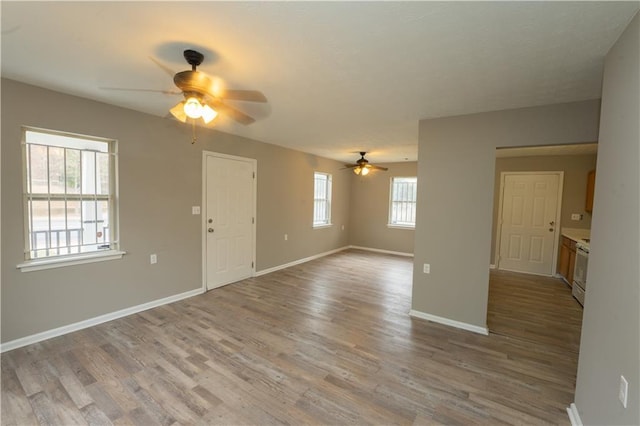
(195, 210)
(624, 391)
(426, 268)
(576, 216)
(286, 237)
(153, 259)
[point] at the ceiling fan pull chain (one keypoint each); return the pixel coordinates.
(193, 126)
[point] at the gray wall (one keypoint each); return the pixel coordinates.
(160, 179)
(610, 344)
(370, 210)
(574, 191)
(456, 177)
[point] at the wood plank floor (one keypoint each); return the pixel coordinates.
(534, 308)
(325, 342)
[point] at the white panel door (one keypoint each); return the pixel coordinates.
(229, 218)
(528, 230)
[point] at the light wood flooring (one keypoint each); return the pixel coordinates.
(326, 342)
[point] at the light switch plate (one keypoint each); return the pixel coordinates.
(624, 391)
(195, 210)
(576, 216)
(153, 259)
(426, 268)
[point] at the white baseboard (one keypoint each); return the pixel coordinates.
(326, 253)
(449, 322)
(397, 253)
(38, 337)
(299, 261)
(574, 417)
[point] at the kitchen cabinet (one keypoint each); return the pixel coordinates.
(591, 186)
(567, 261)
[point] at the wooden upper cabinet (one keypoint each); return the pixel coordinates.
(591, 185)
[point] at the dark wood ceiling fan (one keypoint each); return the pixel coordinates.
(362, 166)
(201, 99)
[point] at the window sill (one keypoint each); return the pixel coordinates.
(395, 226)
(326, 225)
(61, 261)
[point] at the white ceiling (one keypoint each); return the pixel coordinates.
(340, 77)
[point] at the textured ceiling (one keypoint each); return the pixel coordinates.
(339, 77)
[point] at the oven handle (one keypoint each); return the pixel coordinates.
(580, 251)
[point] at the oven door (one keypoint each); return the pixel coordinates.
(580, 273)
(578, 293)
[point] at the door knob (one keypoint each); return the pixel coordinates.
(210, 230)
(550, 230)
(552, 222)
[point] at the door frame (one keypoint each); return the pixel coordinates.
(203, 227)
(556, 240)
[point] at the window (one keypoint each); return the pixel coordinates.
(402, 208)
(322, 199)
(69, 194)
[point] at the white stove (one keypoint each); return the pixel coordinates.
(580, 273)
(583, 244)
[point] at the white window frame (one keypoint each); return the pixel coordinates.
(322, 219)
(33, 263)
(393, 221)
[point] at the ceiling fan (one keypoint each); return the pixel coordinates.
(362, 166)
(202, 100)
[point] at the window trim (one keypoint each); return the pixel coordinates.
(69, 260)
(329, 196)
(396, 226)
(324, 225)
(56, 261)
(390, 224)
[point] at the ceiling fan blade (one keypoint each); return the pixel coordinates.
(231, 112)
(163, 66)
(378, 167)
(244, 95)
(350, 166)
(124, 89)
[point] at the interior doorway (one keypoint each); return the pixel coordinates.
(534, 307)
(229, 200)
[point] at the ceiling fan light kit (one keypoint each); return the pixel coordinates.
(208, 113)
(178, 112)
(193, 108)
(364, 170)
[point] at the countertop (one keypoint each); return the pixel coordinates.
(576, 234)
